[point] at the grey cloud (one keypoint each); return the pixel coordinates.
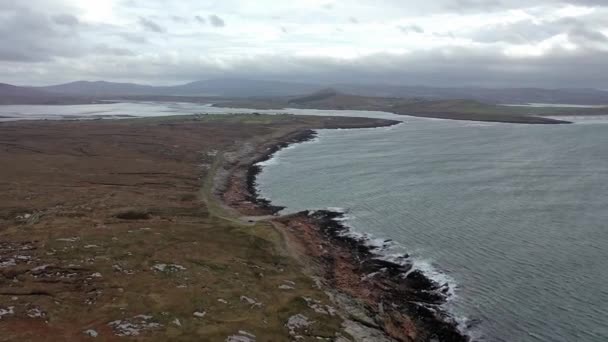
(529, 31)
(200, 19)
(150, 25)
(478, 5)
(486, 6)
(59, 49)
(521, 32)
(411, 29)
(439, 67)
(129, 3)
(66, 19)
(133, 38)
(30, 36)
(216, 21)
(444, 34)
(583, 35)
(178, 19)
(104, 49)
(598, 3)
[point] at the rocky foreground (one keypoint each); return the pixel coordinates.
(381, 300)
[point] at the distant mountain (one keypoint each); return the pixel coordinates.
(11, 90)
(10, 94)
(330, 98)
(101, 88)
(214, 87)
(244, 88)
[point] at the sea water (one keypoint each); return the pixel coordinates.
(514, 217)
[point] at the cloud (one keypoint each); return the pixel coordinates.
(411, 29)
(66, 19)
(488, 6)
(30, 36)
(133, 38)
(150, 25)
(586, 37)
(531, 31)
(466, 42)
(475, 5)
(200, 19)
(521, 32)
(216, 21)
(104, 49)
(179, 19)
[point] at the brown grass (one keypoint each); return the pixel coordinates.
(113, 202)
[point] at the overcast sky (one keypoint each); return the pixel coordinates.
(550, 43)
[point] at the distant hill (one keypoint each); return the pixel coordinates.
(11, 90)
(490, 95)
(456, 109)
(13, 95)
(214, 87)
(100, 88)
(10, 94)
(231, 87)
(242, 88)
(332, 99)
(340, 95)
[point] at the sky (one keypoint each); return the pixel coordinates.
(488, 43)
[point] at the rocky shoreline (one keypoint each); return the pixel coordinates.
(391, 299)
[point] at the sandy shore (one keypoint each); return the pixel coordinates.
(387, 300)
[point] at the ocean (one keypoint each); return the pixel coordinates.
(513, 217)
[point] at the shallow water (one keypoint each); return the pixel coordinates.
(151, 109)
(514, 216)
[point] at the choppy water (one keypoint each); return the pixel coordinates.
(515, 216)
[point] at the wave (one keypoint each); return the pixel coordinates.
(383, 249)
(394, 252)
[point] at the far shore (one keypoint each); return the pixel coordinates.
(452, 109)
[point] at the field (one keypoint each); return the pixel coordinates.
(111, 228)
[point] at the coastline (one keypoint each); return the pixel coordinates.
(458, 115)
(389, 299)
(110, 227)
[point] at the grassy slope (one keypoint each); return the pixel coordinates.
(74, 177)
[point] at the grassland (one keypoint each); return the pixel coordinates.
(110, 229)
